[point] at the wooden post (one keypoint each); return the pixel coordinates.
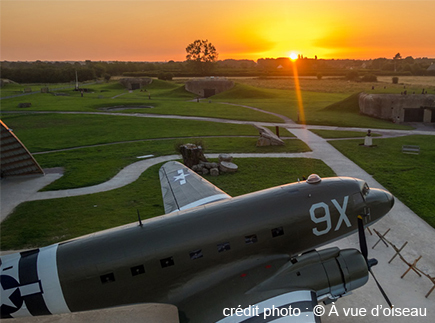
(433, 287)
(397, 251)
(381, 237)
(412, 266)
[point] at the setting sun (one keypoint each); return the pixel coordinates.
(293, 56)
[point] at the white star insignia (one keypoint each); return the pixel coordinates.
(181, 177)
(6, 294)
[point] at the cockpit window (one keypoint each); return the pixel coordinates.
(366, 189)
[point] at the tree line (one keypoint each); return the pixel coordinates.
(201, 60)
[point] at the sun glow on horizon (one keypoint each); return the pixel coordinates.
(293, 56)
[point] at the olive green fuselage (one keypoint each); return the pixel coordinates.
(172, 257)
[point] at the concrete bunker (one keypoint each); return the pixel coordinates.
(135, 83)
(209, 86)
(399, 108)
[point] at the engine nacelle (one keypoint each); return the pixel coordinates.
(333, 272)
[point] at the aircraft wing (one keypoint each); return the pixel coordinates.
(257, 289)
(182, 188)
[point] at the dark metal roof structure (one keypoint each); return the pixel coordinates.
(15, 158)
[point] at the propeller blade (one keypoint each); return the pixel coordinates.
(371, 262)
(362, 238)
(381, 289)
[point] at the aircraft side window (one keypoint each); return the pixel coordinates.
(196, 254)
(251, 239)
(277, 232)
(108, 278)
(221, 247)
(137, 270)
(167, 262)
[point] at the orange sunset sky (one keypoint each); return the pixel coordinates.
(146, 30)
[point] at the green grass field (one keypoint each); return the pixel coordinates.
(170, 98)
(408, 177)
(121, 139)
(166, 98)
(94, 165)
(42, 132)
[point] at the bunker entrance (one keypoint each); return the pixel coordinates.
(414, 115)
(135, 86)
(209, 92)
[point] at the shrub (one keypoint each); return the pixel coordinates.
(395, 80)
(319, 76)
(369, 77)
(165, 76)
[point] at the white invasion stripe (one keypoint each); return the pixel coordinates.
(205, 200)
(277, 301)
(47, 272)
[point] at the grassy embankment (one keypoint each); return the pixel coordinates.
(285, 102)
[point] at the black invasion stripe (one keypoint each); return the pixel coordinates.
(305, 307)
(28, 273)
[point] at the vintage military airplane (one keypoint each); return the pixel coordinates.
(210, 253)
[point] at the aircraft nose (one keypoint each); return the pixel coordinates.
(390, 199)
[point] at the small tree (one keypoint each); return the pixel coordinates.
(107, 77)
(201, 54)
(395, 80)
(395, 59)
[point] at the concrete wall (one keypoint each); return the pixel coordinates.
(133, 82)
(200, 86)
(392, 106)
